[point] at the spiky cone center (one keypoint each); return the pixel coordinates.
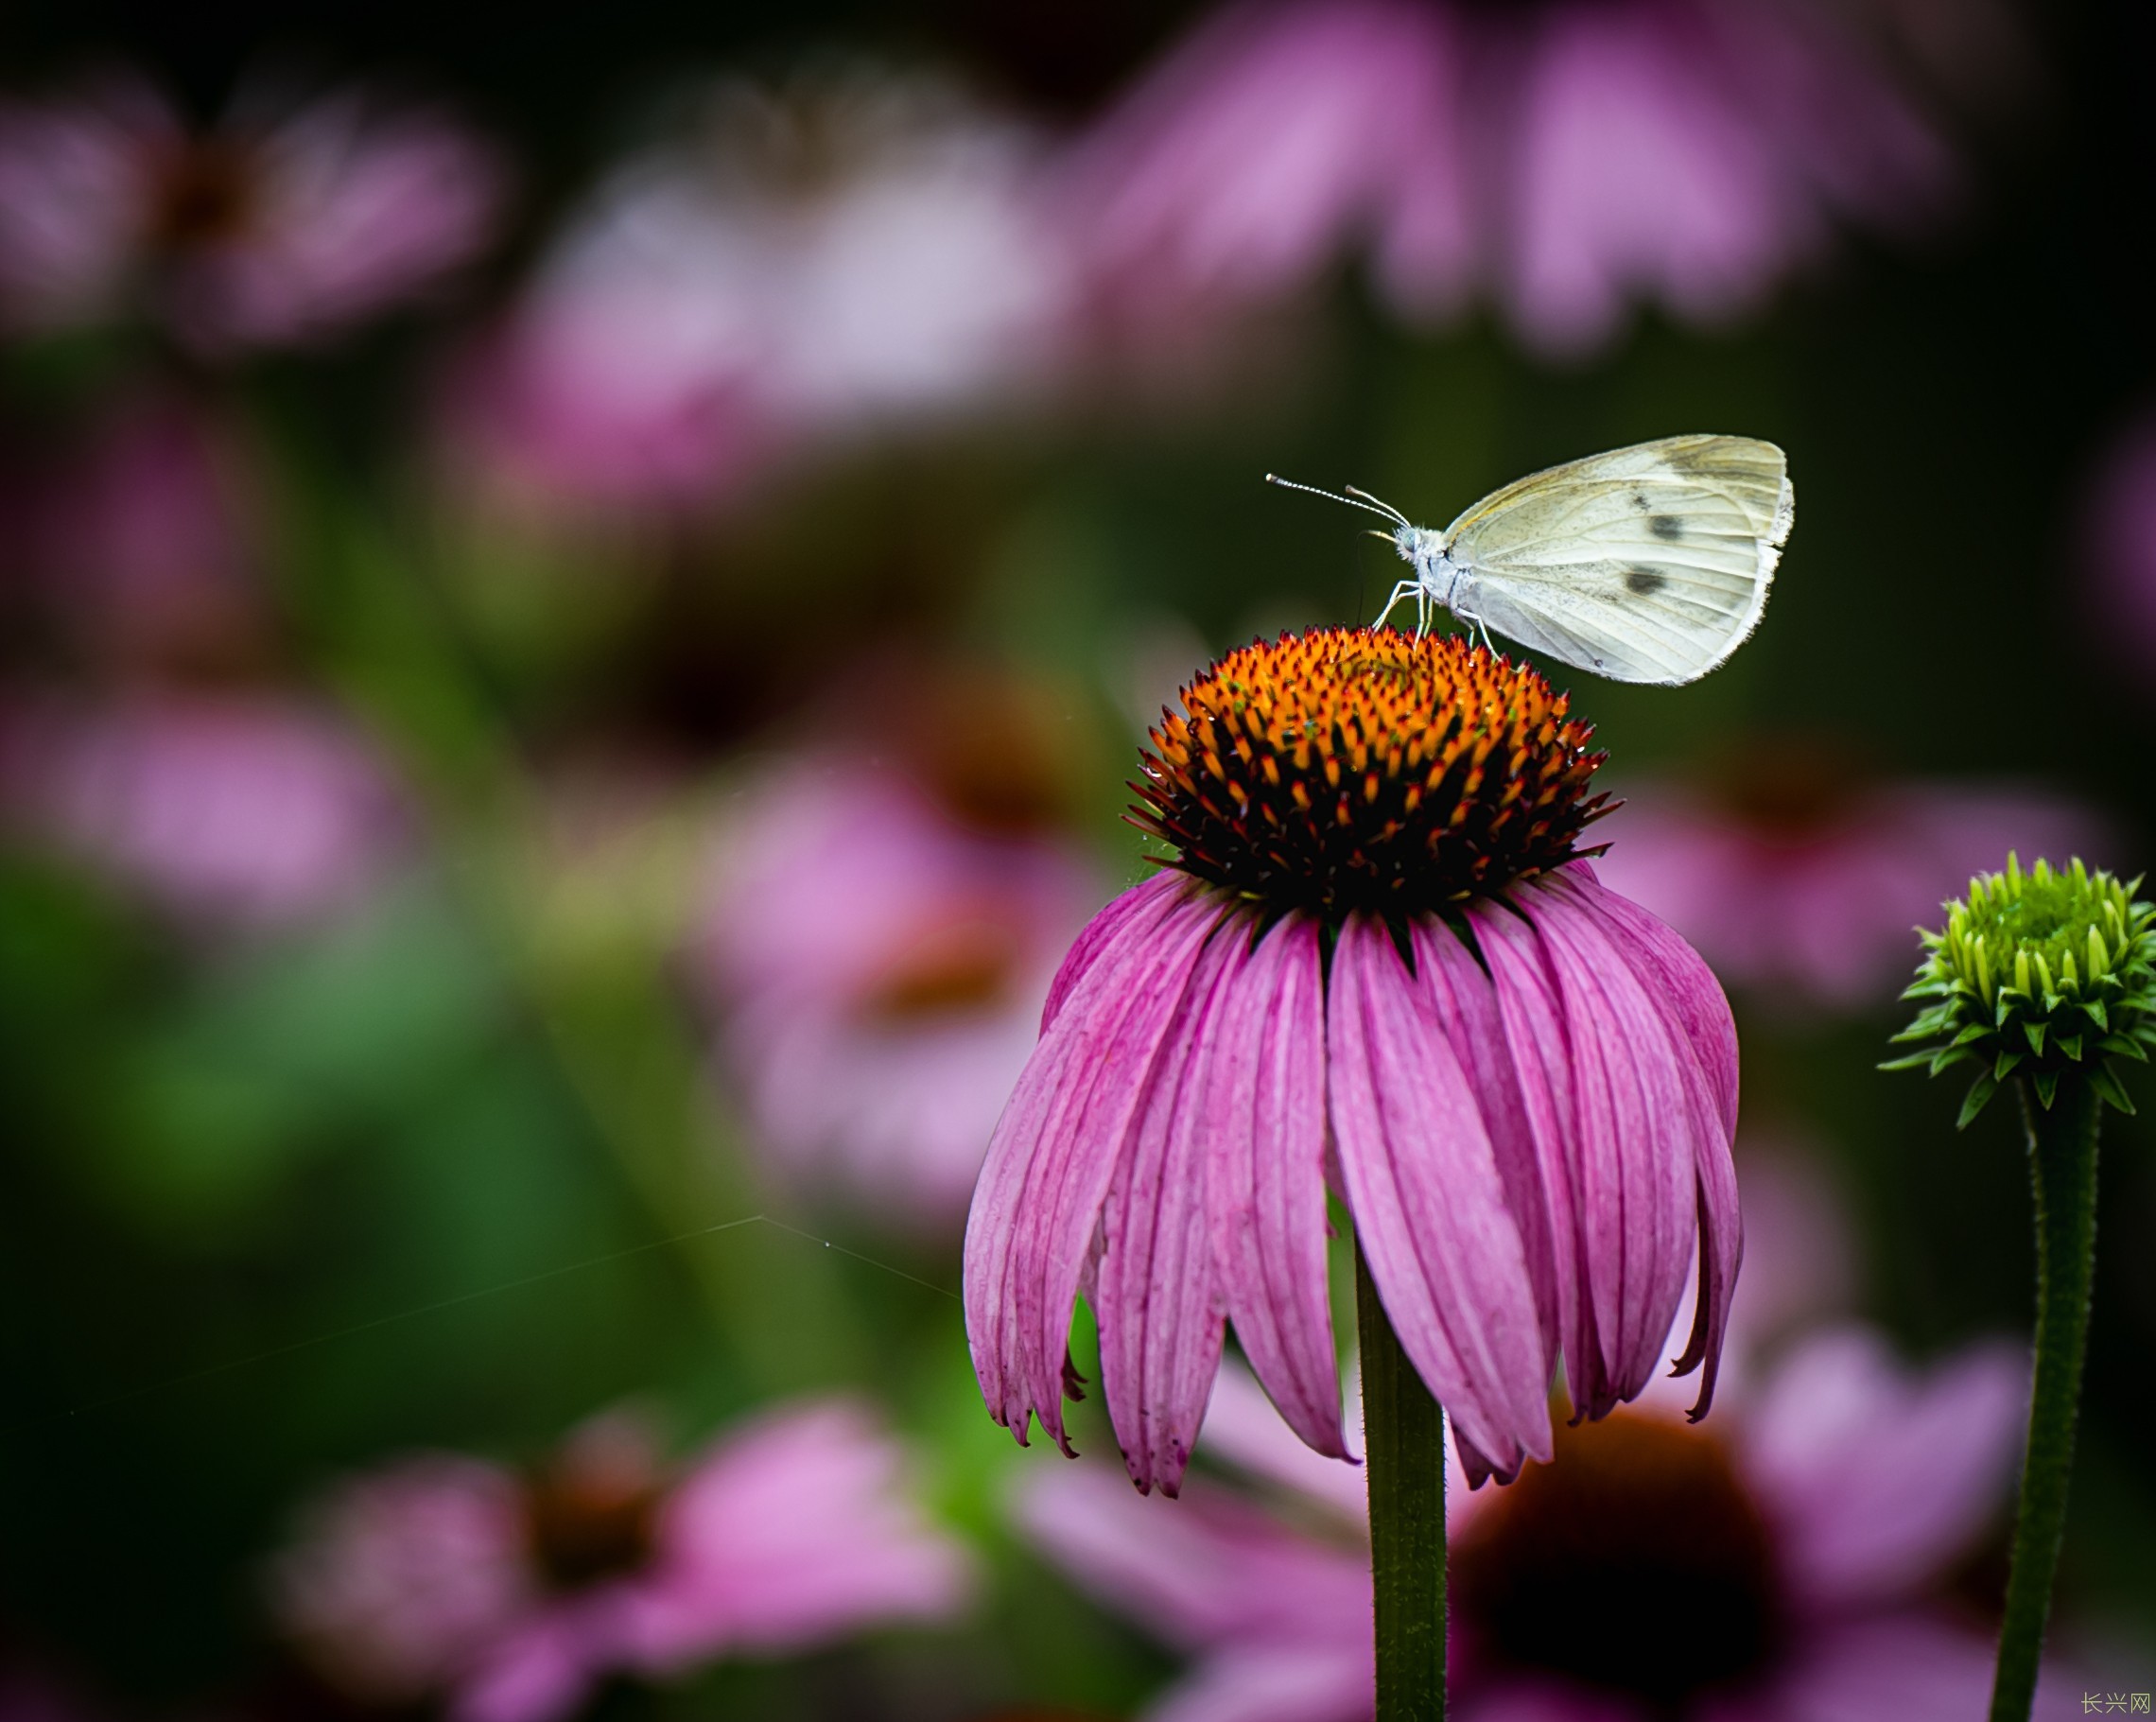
(2037, 974)
(1348, 769)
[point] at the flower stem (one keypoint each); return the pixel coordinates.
(2063, 1170)
(1404, 1433)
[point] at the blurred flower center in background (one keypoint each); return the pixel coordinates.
(1799, 873)
(289, 221)
(205, 195)
(961, 965)
(591, 1510)
(1585, 1565)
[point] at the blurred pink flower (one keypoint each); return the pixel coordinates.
(1775, 1570)
(230, 809)
(1275, 138)
(812, 261)
(1566, 157)
(511, 1596)
(1814, 900)
(137, 535)
(283, 224)
(880, 968)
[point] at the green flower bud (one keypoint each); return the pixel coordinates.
(2037, 975)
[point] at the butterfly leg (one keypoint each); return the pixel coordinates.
(1399, 592)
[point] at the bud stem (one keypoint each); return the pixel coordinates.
(1403, 1431)
(2063, 1173)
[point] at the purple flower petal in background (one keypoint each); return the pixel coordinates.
(1567, 157)
(284, 224)
(814, 261)
(1691, 152)
(878, 969)
(1273, 141)
(452, 1578)
(230, 809)
(1811, 896)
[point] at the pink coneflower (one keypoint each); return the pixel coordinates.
(1375, 966)
(1566, 157)
(1802, 879)
(879, 967)
(232, 810)
(510, 1596)
(1785, 1567)
(812, 261)
(283, 223)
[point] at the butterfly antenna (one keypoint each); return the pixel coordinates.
(1389, 509)
(1355, 498)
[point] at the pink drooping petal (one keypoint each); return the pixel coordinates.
(1102, 931)
(1614, 1096)
(1688, 990)
(1161, 1312)
(1466, 1002)
(1037, 1211)
(1687, 983)
(1879, 1474)
(1262, 1126)
(1428, 1203)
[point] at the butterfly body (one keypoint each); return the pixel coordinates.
(1647, 564)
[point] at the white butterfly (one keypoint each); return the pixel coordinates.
(1648, 563)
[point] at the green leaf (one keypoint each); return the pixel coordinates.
(1910, 1061)
(2070, 1045)
(2109, 1089)
(2035, 1033)
(2123, 1047)
(2047, 1086)
(1977, 1098)
(2003, 1067)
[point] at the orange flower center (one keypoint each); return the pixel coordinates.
(1636, 1561)
(1347, 768)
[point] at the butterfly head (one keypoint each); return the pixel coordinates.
(1419, 545)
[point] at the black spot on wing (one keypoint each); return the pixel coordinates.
(1666, 526)
(1644, 581)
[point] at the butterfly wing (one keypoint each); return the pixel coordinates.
(1648, 563)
